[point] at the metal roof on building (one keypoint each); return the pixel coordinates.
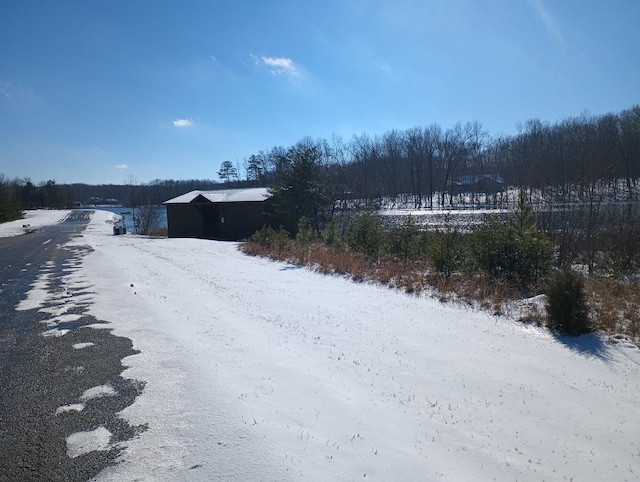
(472, 179)
(223, 196)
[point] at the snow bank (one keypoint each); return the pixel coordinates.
(258, 370)
(33, 220)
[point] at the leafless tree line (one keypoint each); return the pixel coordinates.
(577, 159)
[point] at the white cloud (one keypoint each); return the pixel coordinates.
(122, 167)
(279, 65)
(183, 122)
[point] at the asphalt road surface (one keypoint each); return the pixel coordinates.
(40, 373)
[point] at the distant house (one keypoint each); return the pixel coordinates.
(230, 214)
(481, 183)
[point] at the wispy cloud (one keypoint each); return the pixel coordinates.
(278, 65)
(548, 19)
(9, 90)
(122, 167)
(386, 69)
(5, 89)
(183, 123)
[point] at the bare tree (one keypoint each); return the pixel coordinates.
(453, 149)
(361, 151)
(148, 220)
(415, 155)
(432, 138)
(132, 185)
(393, 154)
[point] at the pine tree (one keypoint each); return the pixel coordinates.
(301, 190)
(227, 172)
(525, 222)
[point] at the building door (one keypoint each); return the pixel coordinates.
(210, 221)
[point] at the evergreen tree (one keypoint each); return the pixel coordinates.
(525, 221)
(403, 240)
(516, 251)
(28, 195)
(367, 236)
(10, 208)
(301, 189)
(255, 168)
(567, 308)
(227, 172)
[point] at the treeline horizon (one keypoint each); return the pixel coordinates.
(577, 157)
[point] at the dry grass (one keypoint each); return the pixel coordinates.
(615, 306)
(159, 233)
(412, 277)
(533, 313)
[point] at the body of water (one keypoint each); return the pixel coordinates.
(461, 219)
(128, 215)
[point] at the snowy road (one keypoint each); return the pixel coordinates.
(257, 370)
(48, 376)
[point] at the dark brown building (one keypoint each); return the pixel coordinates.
(485, 184)
(230, 214)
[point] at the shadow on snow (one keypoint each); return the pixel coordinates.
(590, 345)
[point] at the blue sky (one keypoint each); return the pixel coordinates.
(95, 91)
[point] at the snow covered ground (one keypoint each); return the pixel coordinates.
(33, 219)
(257, 370)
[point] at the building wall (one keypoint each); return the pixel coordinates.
(225, 221)
(241, 220)
(184, 221)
